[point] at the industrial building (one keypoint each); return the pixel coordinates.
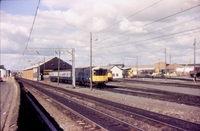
(40, 70)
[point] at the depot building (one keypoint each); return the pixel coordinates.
(40, 70)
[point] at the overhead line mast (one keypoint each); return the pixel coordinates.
(59, 50)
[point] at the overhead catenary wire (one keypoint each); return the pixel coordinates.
(131, 15)
(151, 22)
(156, 40)
(165, 28)
(139, 43)
(29, 33)
(177, 35)
(32, 27)
(152, 38)
(157, 30)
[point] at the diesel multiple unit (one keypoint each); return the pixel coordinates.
(82, 76)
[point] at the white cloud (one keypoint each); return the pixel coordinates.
(67, 24)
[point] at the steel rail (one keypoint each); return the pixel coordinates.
(66, 108)
(126, 111)
(101, 113)
(71, 92)
(50, 125)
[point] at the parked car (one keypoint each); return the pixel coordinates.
(1, 80)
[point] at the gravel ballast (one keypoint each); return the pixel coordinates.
(185, 112)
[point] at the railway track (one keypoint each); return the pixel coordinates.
(87, 114)
(32, 116)
(156, 94)
(130, 114)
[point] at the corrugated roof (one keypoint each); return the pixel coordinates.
(51, 63)
(38, 64)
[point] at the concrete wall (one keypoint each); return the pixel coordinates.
(31, 74)
(28, 74)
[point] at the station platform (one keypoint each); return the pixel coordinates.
(9, 104)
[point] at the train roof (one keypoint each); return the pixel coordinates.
(99, 67)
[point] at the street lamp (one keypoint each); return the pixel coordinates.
(165, 64)
(90, 60)
(137, 65)
(194, 55)
(59, 68)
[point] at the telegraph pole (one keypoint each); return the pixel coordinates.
(59, 68)
(90, 60)
(137, 65)
(170, 59)
(44, 62)
(194, 55)
(73, 68)
(44, 70)
(165, 64)
(39, 71)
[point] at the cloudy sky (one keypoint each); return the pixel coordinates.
(121, 31)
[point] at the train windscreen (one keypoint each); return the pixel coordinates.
(100, 72)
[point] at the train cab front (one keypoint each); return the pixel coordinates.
(99, 77)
